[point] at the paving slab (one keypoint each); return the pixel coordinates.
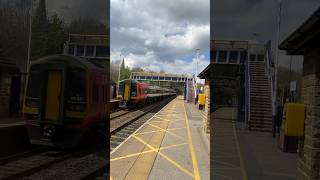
(170, 145)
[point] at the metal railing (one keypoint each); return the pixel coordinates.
(270, 73)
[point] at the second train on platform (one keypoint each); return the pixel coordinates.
(132, 93)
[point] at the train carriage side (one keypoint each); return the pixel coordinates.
(58, 106)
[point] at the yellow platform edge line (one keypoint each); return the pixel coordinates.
(193, 154)
(166, 157)
(145, 152)
(167, 131)
(172, 129)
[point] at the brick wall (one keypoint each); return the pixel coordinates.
(5, 83)
(309, 159)
(206, 117)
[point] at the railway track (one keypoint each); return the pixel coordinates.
(82, 164)
(123, 126)
(28, 165)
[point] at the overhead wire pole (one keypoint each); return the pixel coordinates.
(119, 71)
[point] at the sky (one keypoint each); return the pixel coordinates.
(161, 35)
(246, 17)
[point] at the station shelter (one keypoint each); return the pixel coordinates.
(205, 74)
(10, 80)
(305, 41)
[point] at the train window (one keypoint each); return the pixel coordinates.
(77, 84)
(102, 51)
(89, 51)
(233, 57)
(80, 50)
(33, 89)
(149, 77)
(121, 86)
(174, 79)
(222, 56)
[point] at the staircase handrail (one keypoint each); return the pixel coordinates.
(270, 73)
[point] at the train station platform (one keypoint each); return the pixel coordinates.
(240, 154)
(170, 145)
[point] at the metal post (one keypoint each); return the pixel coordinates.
(30, 36)
(277, 55)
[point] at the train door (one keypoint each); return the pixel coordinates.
(126, 94)
(54, 83)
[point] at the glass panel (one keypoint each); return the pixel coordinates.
(71, 49)
(243, 56)
(222, 56)
(233, 57)
(77, 86)
(102, 51)
(33, 89)
(89, 50)
(252, 57)
(80, 50)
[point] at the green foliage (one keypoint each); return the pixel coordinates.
(125, 73)
(48, 35)
(137, 69)
(56, 35)
(87, 26)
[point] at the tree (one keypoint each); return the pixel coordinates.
(56, 35)
(137, 69)
(125, 71)
(40, 25)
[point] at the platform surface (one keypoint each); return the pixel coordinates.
(8, 122)
(170, 145)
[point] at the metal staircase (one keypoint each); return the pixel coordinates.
(260, 77)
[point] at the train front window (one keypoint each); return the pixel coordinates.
(33, 89)
(121, 86)
(77, 85)
(133, 90)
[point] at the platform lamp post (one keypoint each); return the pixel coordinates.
(24, 79)
(119, 72)
(197, 61)
(276, 68)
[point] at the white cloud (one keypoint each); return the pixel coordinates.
(157, 34)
